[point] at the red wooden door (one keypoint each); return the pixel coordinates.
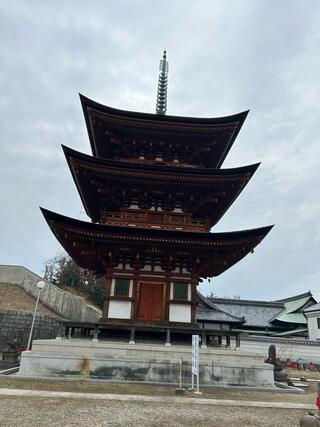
(150, 303)
(156, 306)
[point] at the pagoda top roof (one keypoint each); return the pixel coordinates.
(147, 124)
(163, 118)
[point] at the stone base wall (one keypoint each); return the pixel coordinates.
(142, 362)
(12, 321)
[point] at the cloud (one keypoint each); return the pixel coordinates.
(224, 57)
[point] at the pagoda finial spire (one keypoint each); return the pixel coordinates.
(161, 107)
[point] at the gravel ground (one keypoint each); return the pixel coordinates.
(36, 412)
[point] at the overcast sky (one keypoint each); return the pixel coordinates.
(224, 57)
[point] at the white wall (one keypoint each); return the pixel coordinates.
(119, 309)
(286, 348)
(180, 313)
(313, 330)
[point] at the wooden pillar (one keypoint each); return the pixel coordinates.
(168, 336)
(228, 341)
(60, 332)
(194, 283)
(135, 295)
(95, 334)
(219, 340)
(107, 292)
(237, 340)
(167, 296)
(132, 334)
(203, 339)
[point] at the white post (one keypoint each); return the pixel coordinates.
(195, 362)
(40, 286)
(180, 361)
(198, 392)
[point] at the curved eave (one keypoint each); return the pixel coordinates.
(70, 153)
(87, 102)
(166, 120)
(69, 231)
(186, 175)
(135, 231)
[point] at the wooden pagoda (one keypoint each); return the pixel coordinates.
(153, 189)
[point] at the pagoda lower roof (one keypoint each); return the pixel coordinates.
(99, 182)
(97, 246)
(102, 121)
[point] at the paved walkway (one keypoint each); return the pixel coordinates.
(162, 399)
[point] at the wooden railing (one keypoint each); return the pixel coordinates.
(162, 219)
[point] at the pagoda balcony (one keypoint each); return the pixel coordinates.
(161, 220)
(146, 161)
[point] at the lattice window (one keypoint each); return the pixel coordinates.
(121, 287)
(180, 291)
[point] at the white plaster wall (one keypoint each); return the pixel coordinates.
(150, 276)
(285, 349)
(119, 310)
(313, 330)
(189, 292)
(179, 313)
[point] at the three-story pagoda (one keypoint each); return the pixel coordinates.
(153, 189)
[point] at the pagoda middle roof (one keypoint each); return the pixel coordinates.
(87, 242)
(231, 181)
(221, 130)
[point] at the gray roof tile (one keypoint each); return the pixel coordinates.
(210, 313)
(256, 313)
(314, 307)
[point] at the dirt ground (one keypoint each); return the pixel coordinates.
(91, 386)
(296, 373)
(43, 412)
(12, 297)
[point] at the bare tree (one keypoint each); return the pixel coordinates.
(63, 272)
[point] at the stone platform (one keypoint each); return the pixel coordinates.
(121, 361)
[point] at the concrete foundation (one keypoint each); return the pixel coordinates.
(143, 362)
